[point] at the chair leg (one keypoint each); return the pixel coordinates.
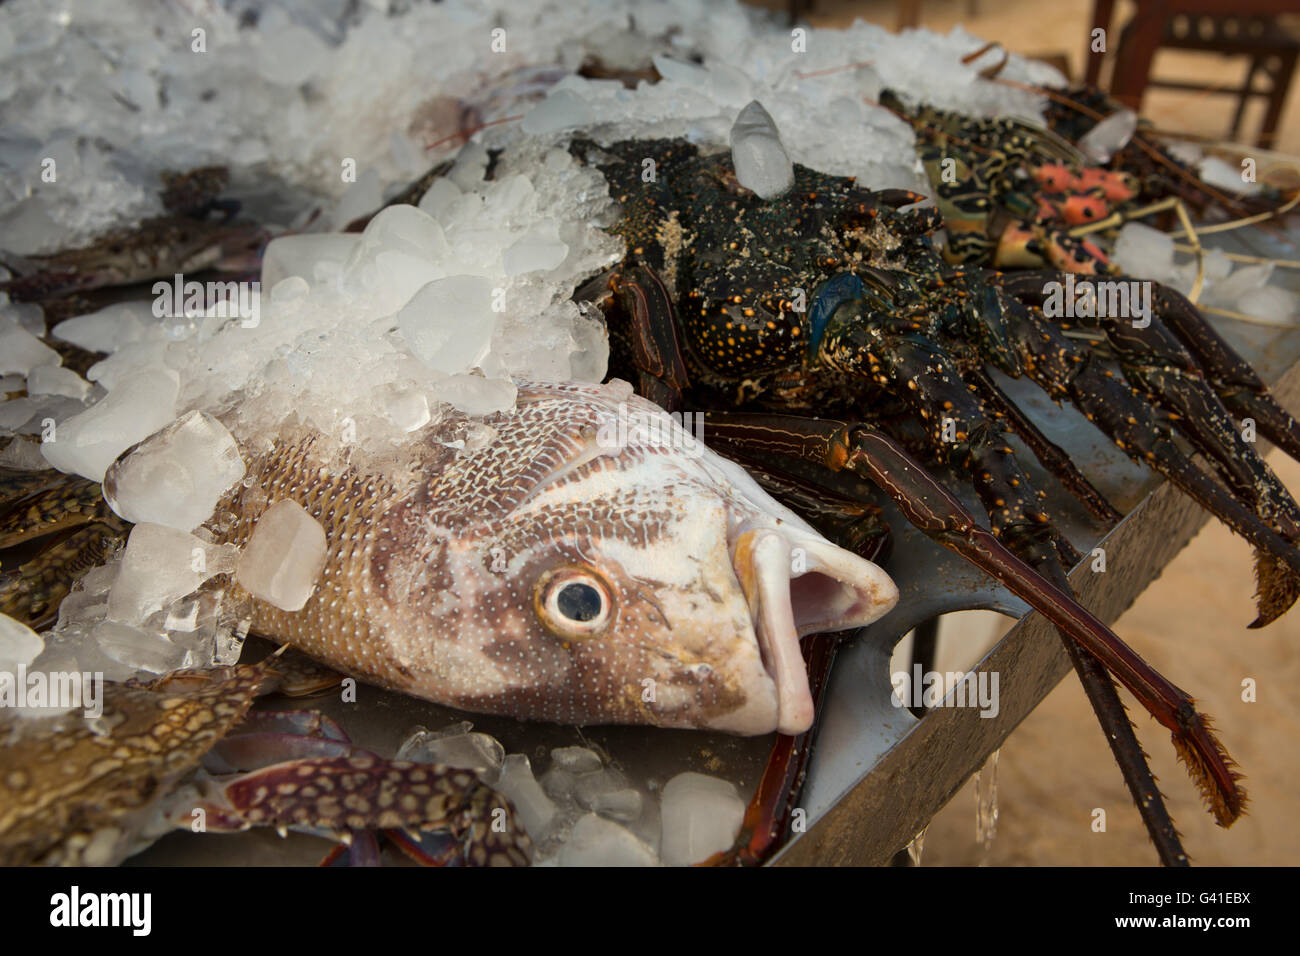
(1247, 89)
(1277, 97)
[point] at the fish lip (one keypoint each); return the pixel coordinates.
(839, 590)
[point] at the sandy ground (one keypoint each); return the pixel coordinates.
(1056, 769)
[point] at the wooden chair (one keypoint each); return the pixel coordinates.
(1247, 28)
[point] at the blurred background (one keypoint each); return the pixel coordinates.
(1215, 47)
(1056, 769)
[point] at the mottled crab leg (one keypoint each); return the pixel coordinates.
(54, 527)
(935, 511)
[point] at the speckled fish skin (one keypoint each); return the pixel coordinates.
(443, 581)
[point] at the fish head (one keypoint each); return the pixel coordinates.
(597, 564)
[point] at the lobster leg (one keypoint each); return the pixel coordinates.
(935, 511)
(1156, 362)
(1242, 391)
(1052, 457)
(1066, 371)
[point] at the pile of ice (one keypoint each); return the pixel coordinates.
(583, 811)
(296, 87)
(1148, 253)
(368, 337)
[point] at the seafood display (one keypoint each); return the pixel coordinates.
(590, 421)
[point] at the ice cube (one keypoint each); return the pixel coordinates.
(28, 315)
(701, 815)
(439, 196)
(176, 476)
(160, 565)
(86, 444)
(448, 324)
(284, 556)
(468, 751)
(760, 159)
(56, 380)
(20, 351)
(1144, 253)
(576, 759)
(563, 109)
(298, 255)
(363, 196)
(1269, 303)
(408, 409)
(470, 168)
(137, 650)
(19, 644)
(540, 249)
(558, 784)
(535, 810)
(596, 841)
(1109, 136)
(108, 329)
(477, 396)
(1215, 172)
(623, 805)
(405, 228)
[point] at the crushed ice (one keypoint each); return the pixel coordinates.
(445, 303)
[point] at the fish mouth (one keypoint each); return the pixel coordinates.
(798, 584)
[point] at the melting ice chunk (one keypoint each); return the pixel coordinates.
(448, 324)
(160, 565)
(19, 644)
(1145, 252)
(576, 759)
(563, 109)
(701, 816)
(456, 748)
(57, 380)
(1215, 172)
(176, 476)
(137, 650)
(140, 405)
(536, 811)
(408, 409)
(108, 329)
(439, 196)
(1109, 136)
(761, 161)
(540, 249)
(477, 396)
(596, 841)
(298, 255)
(20, 351)
(283, 557)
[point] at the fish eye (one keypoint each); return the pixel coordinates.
(574, 602)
